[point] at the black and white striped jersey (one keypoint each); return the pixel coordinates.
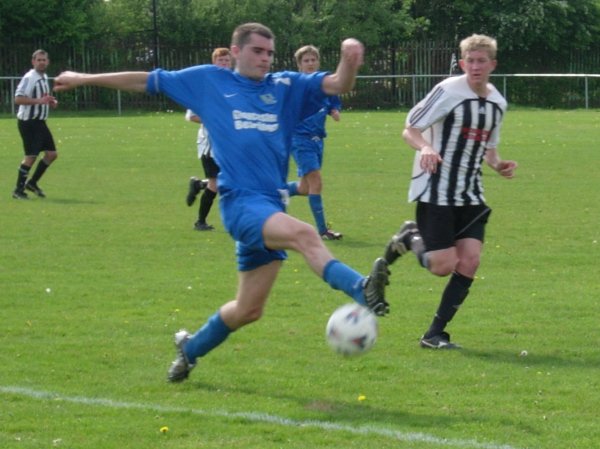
(33, 85)
(203, 142)
(460, 125)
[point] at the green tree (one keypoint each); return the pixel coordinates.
(535, 27)
(53, 21)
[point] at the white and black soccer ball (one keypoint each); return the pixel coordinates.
(352, 329)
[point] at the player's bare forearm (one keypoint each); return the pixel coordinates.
(414, 138)
(429, 157)
(28, 101)
(504, 168)
(342, 81)
(130, 81)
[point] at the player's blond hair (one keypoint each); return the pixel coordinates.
(307, 49)
(39, 52)
(479, 42)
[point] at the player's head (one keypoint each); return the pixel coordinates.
(39, 60)
(478, 60)
(253, 48)
(307, 59)
(479, 42)
(221, 57)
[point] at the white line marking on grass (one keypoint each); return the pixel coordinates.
(417, 437)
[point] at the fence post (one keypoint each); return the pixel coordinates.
(12, 97)
(587, 103)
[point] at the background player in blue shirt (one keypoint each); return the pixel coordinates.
(251, 115)
(307, 146)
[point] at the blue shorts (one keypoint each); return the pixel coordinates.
(244, 214)
(308, 154)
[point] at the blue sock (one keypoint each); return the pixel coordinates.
(292, 188)
(341, 277)
(316, 206)
(211, 335)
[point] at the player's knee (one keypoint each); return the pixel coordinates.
(302, 188)
(442, 267)
(251, 315)
(306, 237)
(51, 156)
(468, 265)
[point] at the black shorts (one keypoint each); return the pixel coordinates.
(36, 137)
(442, 226)
(211, 169)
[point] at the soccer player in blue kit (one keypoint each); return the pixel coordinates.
(251, 115)
(307, 146)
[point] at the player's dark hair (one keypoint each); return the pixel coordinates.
(241, 35)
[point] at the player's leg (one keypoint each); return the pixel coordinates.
(31, 149)
(253, 290)
(409, 238)
(195, 185)
(50, 155)
(281, 231)
(243, 215)
(454, 294)
(312, 168)
(206, 201)
(211, 171)
(22, 173)
(315, 200)
(460, 261)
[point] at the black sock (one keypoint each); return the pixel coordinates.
(39, 171)
(454, 294)
(206, 202)
(22, 176)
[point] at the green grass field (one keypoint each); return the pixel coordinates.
(96, 278)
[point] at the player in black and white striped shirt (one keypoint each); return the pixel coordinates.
(34, 100)
(454, 129)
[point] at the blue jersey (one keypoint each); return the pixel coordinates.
(314, 126)
(250, 122)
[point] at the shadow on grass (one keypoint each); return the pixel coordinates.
(341, 412)
(69, 201)
(565, 360)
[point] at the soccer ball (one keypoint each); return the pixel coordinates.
(352, 329)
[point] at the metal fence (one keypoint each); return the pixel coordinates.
(567, 91)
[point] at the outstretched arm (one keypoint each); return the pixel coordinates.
(130, 81)
(343, 79)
